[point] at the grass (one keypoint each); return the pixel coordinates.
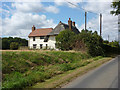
(69, 75)
(25, 68)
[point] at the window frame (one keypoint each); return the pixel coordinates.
(33, 38)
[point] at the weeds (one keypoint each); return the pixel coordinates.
(21, 69)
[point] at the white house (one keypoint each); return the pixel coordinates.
(45, 37)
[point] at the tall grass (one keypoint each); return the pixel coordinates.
(21, 69)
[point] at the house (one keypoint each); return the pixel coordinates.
(45, 37)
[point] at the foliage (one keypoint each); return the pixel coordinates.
(64, 40)
(7, 41)
(111, 48)
(21, 69)
(14, 45)
(93, 42)
(114, 44)
(116, 6)
(84, 41)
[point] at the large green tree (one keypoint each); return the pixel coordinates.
(65, 40)
(116, 6)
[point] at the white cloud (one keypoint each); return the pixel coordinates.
(69, 3)
(24, 17)
(20, 24)
(52, 9)
(34, 7)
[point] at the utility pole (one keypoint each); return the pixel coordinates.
(108, 37)
(100, 24)
(85, 21)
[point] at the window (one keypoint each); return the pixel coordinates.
(41, 46)
(34, 46)
(33, 38)
(41, 37)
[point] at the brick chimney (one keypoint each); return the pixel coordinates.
(60, 22)
(73, 24)
(70, 24)
(33, 28)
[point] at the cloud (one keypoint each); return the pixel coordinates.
(98, 7)
(34, 7)
(20, 24)
(24, 16)
(52, 9)
(69, 3)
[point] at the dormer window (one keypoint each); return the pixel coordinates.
(41, 37)
(33, 38)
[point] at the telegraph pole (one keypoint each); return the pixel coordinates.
(108, 37)
(100, 24)
(85, 21)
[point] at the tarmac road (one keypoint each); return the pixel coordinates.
(105, 76)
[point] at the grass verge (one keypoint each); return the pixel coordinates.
(25, 68)
(62, 79)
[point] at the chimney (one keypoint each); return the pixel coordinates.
(73, 24)
(60, 22)
(70, 24)
(33, 28)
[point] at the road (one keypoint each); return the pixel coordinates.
(105, 76)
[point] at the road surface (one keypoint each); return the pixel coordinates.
(105, 76)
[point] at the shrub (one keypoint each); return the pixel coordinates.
(93, 42)
(14, 46)
(65, 39)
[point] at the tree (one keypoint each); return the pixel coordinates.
(14, 45)
(65, 40)
(6, 41)
(116, 6)
(93, 42)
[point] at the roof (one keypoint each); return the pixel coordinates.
(62, 26)
(40, 32)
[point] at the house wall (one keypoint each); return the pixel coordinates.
(51, 42)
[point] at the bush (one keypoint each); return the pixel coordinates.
(14, 46)
(84, 41)
(93, 42)
(65, 39)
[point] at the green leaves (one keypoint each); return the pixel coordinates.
(64, 40)
(116, 6)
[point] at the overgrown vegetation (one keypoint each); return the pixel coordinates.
(21, 69)
(87, 41)
(7, 41)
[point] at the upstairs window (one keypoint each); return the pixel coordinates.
(33, 38)
(41, 37)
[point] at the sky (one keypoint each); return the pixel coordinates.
(18, 16)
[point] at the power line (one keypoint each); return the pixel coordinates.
(86, 16)
(80, 7)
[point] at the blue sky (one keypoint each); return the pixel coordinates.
(18, 17)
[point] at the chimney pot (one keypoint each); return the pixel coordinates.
(60, 22)
(33, 28)
(73, 23)
(70, 24)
